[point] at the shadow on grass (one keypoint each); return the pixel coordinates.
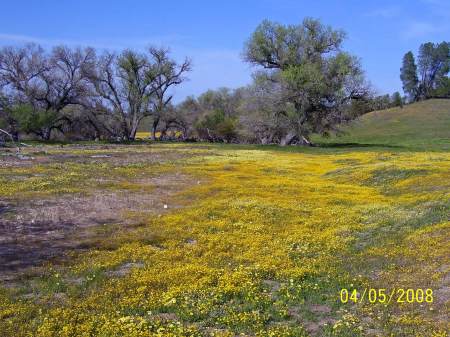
(317, 148)
(353, 145)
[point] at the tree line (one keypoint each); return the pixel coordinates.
(75, 91)
(429, 77)
(304, 83)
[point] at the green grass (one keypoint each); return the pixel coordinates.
(424, 125)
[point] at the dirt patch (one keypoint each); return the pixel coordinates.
(34, 230)
(110, 153)
(320, 308)
(101, 206)
(39, 230)
(442, 292)
(3, 209)
(165, 317)
(124, 269)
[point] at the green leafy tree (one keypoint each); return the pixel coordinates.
(217, 114)
(217, 127)
(33, 121)
(24, 118)
(397, 100)
(429, 78)
(317, 79)
(433, 66)
(408, 76)
(8, 125)
(443, 88)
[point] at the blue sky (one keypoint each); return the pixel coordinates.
(212, 33)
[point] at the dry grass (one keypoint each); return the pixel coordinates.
(40, 228)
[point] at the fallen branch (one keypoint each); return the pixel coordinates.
(8, 134)
(12, 140)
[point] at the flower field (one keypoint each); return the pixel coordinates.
(261, 243)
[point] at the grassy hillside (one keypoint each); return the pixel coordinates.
(420, 125)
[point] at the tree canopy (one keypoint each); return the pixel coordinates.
(112, 92)
(429, 78)
(316, 79)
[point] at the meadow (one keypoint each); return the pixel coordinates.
(226, 240)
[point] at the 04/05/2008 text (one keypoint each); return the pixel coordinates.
(386, 296)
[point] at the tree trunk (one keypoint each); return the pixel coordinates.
(305, 141)
(125, 132)
(8, 134)
(184, 134)
(288, 139)
(134, 127)
(154, 127)
(15, 135)
(264, 140)
(46, 133)
(164, 135)
(97, 132)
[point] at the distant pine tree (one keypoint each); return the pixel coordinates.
(429, 78)
(408, 75)
(397, 100)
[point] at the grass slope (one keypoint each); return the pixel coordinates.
(424, 125)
